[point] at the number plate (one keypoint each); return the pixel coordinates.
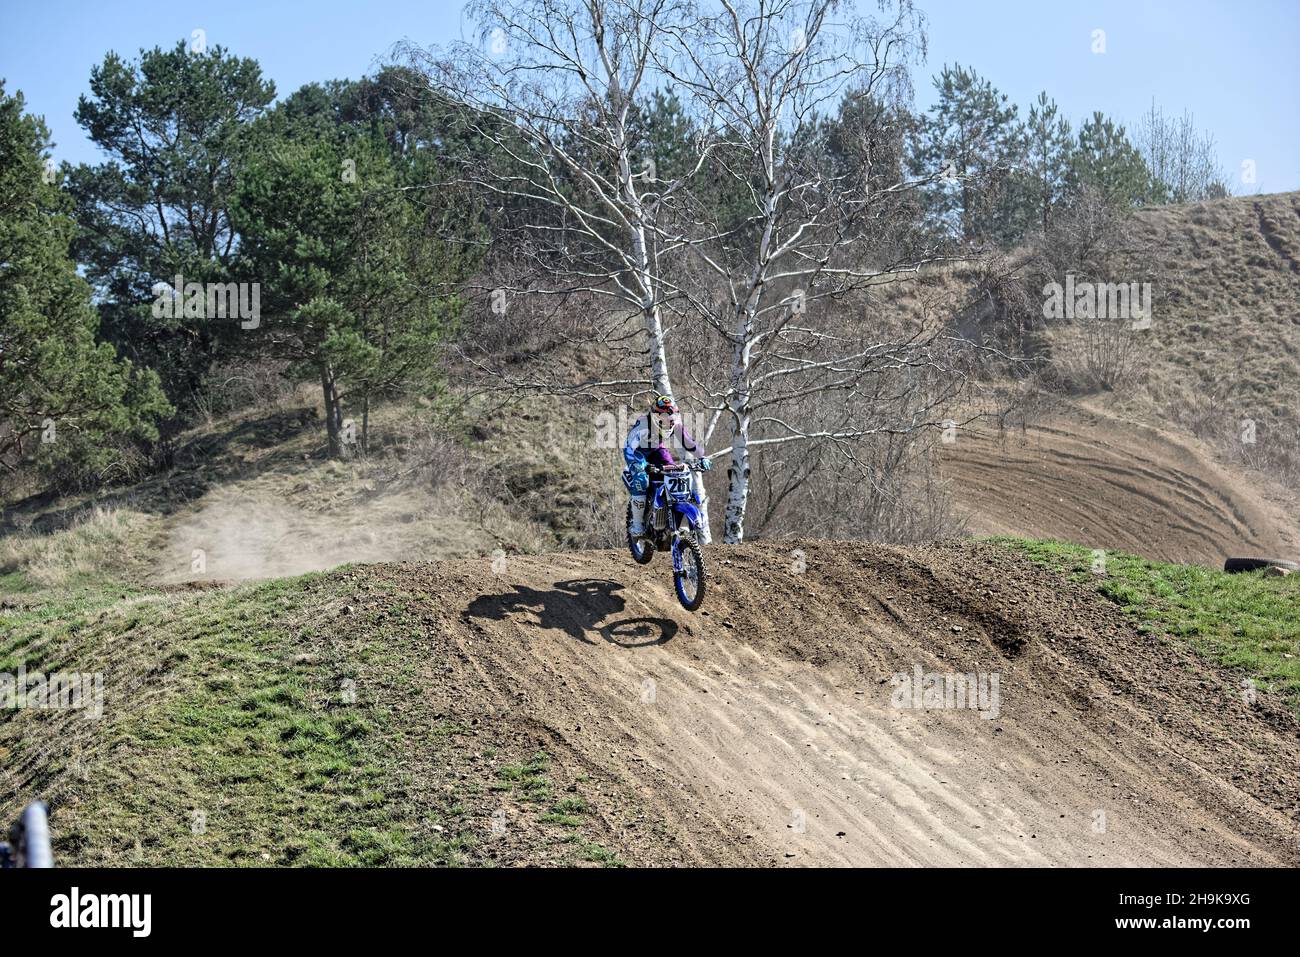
(679, 484)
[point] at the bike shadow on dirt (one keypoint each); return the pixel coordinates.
(579, 608)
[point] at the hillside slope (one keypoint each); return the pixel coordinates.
(1191, 460)
(564, 709)
(1226, 323)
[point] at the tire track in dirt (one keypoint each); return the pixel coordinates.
(1087, 477)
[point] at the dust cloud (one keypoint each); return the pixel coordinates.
(239, 534)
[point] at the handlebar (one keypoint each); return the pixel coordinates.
(681, 466)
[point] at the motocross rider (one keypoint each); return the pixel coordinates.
(650, 442)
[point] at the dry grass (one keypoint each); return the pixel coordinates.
(1227, 321)
(100, 545)
(1221, 359)
(1225, 340)
(251, 496)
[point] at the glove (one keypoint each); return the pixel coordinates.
(706, 464)
(634, 477)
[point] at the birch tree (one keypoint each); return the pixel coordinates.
(552, 87)
(1184, 161)
(761, 75)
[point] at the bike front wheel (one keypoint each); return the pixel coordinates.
(689, 581)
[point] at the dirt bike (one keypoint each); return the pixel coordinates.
(672, 523)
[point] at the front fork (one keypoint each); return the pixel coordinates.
(679, 534)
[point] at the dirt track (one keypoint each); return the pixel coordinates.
(1088, 477)
(762, 729)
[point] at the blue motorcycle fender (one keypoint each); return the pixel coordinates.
(690, 511)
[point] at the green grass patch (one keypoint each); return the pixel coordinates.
(1248, 622)
(527, 779)
(594, 853)
(566, 812)
(240, 727)
(258, 726)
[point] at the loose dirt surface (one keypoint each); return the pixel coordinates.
(1084, 475)
(765, 729)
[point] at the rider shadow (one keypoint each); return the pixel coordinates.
(577, 608)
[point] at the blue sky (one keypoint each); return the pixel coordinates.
(1235, 65)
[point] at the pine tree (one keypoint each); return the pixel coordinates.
(1049, 149)
(1105, 160)
(63, 396)
(351, 270)
(969, 143)
(174, 124)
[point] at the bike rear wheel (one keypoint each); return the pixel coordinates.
(689, 582)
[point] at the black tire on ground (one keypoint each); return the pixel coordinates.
(1234, 565)
(642, 549)
(692, 555)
